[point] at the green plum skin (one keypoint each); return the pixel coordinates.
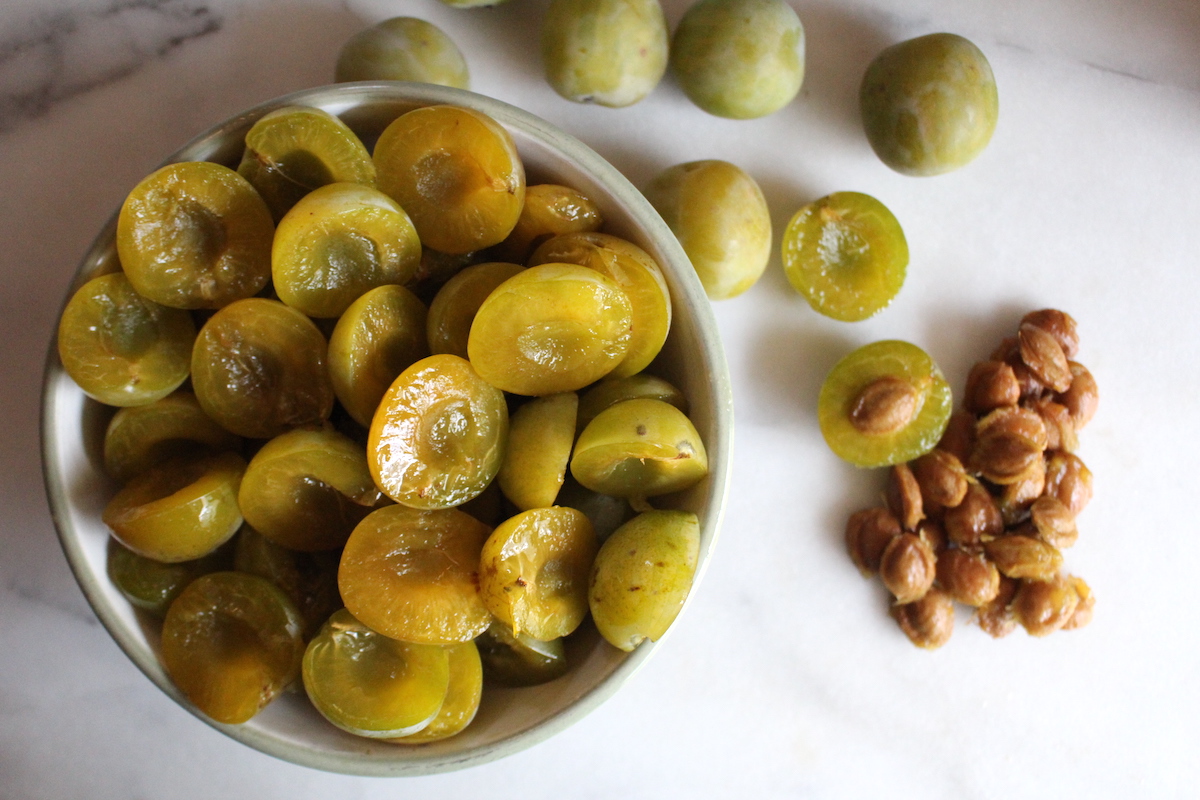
(403, 49)
(639, 448)
(642, 575)
(739, 59)
(379, 336)
(512, 659)
(929, 105)
(152, 585)
(721, 218)
(609, 52)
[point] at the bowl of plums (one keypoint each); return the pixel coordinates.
(386, 428)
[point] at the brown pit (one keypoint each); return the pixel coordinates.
(1069, 480)
(927, 622)
(1008, 351)
(1084, 610)
(959, 438)
(968, 577)
(1054, 522)
(1013, 422)
(1007, 443)
(991, 385)
(996, 617)
(1044, 606)
(908, 567)
(884, 406)
(1060, 426)
(1044, 356)
(1083, 396)
(1031, 386)
(904, 497)
(934, 535)
(941, 478)
(1015, 498)
(975, 518)
(1058, 324)
(1003, 460)
(868, 533)
(1020, 556)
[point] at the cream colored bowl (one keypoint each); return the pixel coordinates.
(509, 720)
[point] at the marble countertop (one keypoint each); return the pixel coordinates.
(785, 677)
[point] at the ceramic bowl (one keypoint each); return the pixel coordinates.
(509, 720)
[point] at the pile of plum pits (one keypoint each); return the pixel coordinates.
(982, 519)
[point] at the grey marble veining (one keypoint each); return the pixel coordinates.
(51, 54)
(59, 54)
(785, 678)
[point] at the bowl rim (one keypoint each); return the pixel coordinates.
(720, 448)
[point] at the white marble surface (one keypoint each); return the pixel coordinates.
(785, 678)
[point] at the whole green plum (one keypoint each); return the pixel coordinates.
(610, 52)
(739, 58)
(721, 218)
(929, 105)
(403, 49)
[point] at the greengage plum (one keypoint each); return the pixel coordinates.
(258, 369)
(413, 575)
(721, 219)
(609, 52)
(534, 569)
(137, 438)
(637, 274)
(379, 336)
(337, 243)
(549, 210)
(540, 435)
(639, 448)
(403, 49)
(463, 694)
(456, 172)
(307, 489)
(121, 348)
(884, 403)
(438, 437)
(195, 235)
(552, 328)
(293, 150)
(929, 105)
(739, 58)
(153, 585)
(231, 642)
(180, 510)
(642, 576)
(846, 253)
(370, 685)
